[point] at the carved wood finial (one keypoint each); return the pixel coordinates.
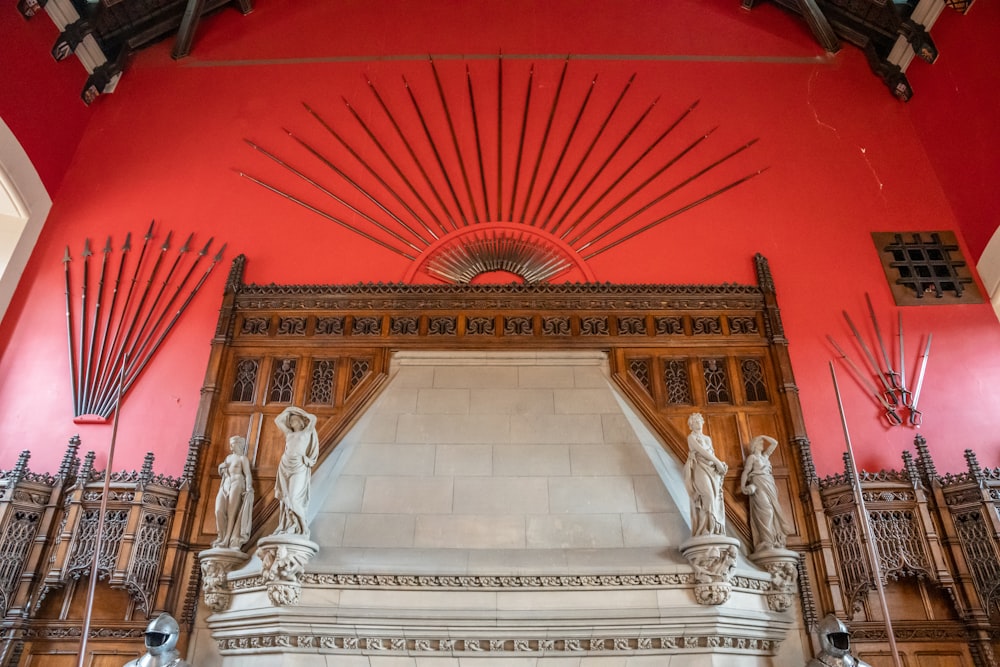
(146, 474)
(973, 462)
(69, 460)
(235, 279)
(924, 457)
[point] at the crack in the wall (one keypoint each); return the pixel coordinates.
(821, 123)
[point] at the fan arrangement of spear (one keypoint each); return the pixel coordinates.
(898, 402)
(479, 163)
(122, 325)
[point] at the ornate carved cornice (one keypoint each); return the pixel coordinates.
(727, 296)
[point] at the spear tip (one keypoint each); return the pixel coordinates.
(218, 255)
(204, 251)
(149, 232)
(87, 252)
(187, 243)
(66, 258)
(128, 242)
(166, 241)
(107, 246)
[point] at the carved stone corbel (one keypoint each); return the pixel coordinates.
(216, 564)
(781, 565)
(713, 558)
(284, 557)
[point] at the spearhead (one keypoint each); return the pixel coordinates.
(166, 241)
(184, 248)
(128, 242)
(87, 252)
(66, 258)
(149, 233)
(204, 251)
(218, 256)
(107, 247)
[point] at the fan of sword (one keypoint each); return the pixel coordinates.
(898, 402)
(125, 322)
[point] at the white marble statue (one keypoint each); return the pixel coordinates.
(295, 469)
(767, 522)
(234, 503)
(704, 473)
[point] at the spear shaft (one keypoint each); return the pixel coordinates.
(93, 330)
(329, 193)
(586, 154)
(562, 153)
(437, 154)
(107, 372)
(621, 202)
(454, 139)
(137, 353)
(604, 165)
(101, 359)
(81, 380)
(326, 215)
(859, 500)
(416, 160)
(520, 142)
(479, 143)
(69, 330)
(672, 214)
(545, 138)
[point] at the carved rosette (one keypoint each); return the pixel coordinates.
(781, 565)
(713, 558)
(283, 558)
(216, 564)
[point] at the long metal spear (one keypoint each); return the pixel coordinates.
(102, 512)
(890, 395)
(69, 332)
(600, 170)
(326, 215)
(138, 351)
(159, 294)
(107, 372)
(392, 163)
(81, 381)
(586, 154)
(479, 143)
(437, 155)
(332, 195)
(106, 392)
(381, 181)
(545, 138)
(562, 153)
(520, 143)
(130, 380)
(87, 364)
(500, 136)
(416, 160)
(671, 162)
(454, 139)
(869, 540)
(101, 360)
(672, 214)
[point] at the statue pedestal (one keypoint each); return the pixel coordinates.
(284, 557)
(713, 558)
(216, 564)
(782, 566)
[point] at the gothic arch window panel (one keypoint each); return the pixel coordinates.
(716, 376)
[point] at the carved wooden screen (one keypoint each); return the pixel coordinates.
(673, 350)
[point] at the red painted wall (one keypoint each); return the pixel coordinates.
(955, 118)
(844, 159)
(40, 101)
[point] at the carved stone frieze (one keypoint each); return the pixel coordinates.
(524, 647)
